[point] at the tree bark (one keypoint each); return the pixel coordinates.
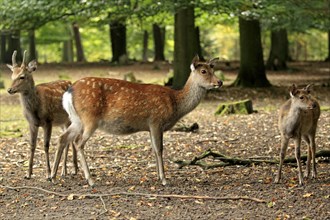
(145, 46)
(279, 52)
(67, 55)
(328, 58)
(184, 45)
(252, 69)
(159, 42)
(198, 44)
(118, 41)
(79, 46)
(32, 46)
(14, 43)
(3, 48)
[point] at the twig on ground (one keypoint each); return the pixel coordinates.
(135, 194)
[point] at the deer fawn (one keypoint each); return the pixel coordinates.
(298, 120)
(121, 107)
(42, 107)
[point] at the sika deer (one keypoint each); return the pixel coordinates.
(121, 107)
(298, 120)
(42, 107)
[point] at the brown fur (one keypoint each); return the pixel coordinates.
(298, 120)
(121, 107)
(42, 107)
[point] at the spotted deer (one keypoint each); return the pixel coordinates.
(298, 120)
(42, 107)
(121, 107)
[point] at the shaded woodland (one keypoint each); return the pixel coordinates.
(179, 29)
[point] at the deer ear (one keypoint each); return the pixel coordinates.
(194, 63)
(32, 66)
(308, 88)
(293, 90)
(10, 67)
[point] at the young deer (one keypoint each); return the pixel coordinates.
(298, 120)
(42, 107)
(121, 107)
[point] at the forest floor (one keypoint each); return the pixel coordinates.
(124, 166)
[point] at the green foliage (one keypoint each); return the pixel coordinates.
(217, 20)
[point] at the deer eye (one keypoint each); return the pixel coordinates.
(203, 71)
(211, 65)
(22, 77)
(301, 97)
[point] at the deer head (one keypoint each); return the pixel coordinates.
(302, 97)
(22, 80)
(204, 73)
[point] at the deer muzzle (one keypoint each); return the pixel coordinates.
(11, 91)
(218, 84)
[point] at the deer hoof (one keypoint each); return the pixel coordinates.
(164, 182)
(91, 182)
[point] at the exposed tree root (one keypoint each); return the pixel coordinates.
(230, 161)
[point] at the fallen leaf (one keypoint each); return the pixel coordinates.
(270, 204)
(70, 197)
(307, 195)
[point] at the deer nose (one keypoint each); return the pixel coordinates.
(10, 91)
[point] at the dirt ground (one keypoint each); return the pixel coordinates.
(124, 166)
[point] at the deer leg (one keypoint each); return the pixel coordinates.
(65, 138)
(284, 146)
(47, 135)
(156, 136)
(64, 167)
(74, 157)
(80, 150)
(309, 152)
(313, 152)
(297, 154)
(33, 144)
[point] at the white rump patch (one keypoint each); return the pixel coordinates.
(69, 108)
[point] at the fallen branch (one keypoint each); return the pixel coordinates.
(176, 196)
(230, 161)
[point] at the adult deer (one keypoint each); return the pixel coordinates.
(42, 107)
(121, 107)
(298, 120)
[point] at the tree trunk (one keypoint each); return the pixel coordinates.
(32, 46)
(159, 42)
(3, 48)
(79, 46)
(184, 45)
(252, 69)
(198, 44)
(145, 46)
(328, 58)
(67, 55)
(118, 41)
(14, 43)
(279, 52)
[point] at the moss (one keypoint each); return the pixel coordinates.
(325, 108)
(238, 107)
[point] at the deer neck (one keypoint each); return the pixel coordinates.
(30, 100)
(189, 97)
(293, 119)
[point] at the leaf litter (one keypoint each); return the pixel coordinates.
(126, 164)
